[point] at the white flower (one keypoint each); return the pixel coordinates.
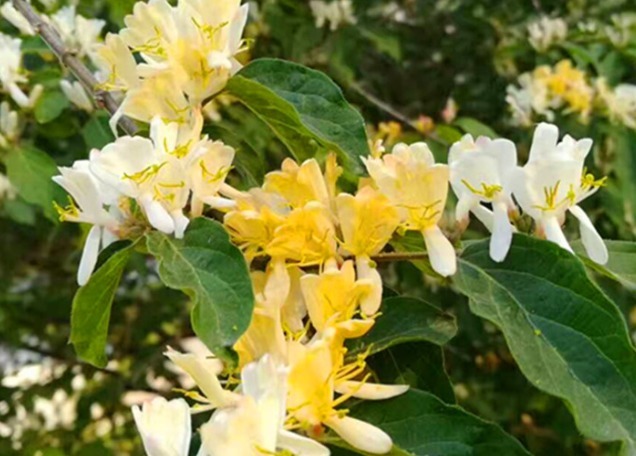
(7, 190)
(619, 102)
(164, 426)
(532, 96)
(78, 33)
(418, 188)
(335, 13)
(254, 425)
(76, 94)
(16, 18)
(11, 73)
(9, 125)
(150, 171)
(554, 181)
(91, 197)
(546, 32)
(480, 172)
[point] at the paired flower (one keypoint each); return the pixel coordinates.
(12, 75)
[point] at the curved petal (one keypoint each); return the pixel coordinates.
(502, 232)
(544, 141)
(485, 216)
(181, 222)
(370, 391)
(157, 215)
(464, 205)
(361, 435)
(440, 251)
(594, 245)
(369, 302)
(554, 233)
(299, 445)
(165, 426)
(89, 255)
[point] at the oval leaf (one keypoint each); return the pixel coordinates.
(422, 425)
(91, 309)
(404, 320)
(567, 336)
(213, 272)
(305, 109)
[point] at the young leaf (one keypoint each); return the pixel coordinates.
(208, 268)
(568, 338)
(50, 106)
(30, 171)
(305, 109)
(91, 308)
(420, 424)
(404, 320)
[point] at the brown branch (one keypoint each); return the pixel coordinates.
(399, 256)
(68, 59)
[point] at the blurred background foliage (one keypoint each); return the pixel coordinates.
(418, 70)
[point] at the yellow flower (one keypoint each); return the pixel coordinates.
(418, 188)
(306, 236)
(299, 185)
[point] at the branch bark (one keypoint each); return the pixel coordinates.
(75, 65)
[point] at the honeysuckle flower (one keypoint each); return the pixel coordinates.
(367, 222)
(87, 205)
(165, 426)
(619, 102)
(546, 32)
(418, 188)
(299, 185)
(306, 236)
(9, 125)
(532, 96)
(554, 181)
(16, 18)
(79, 34)
(317, 372)
(12, 74)
(208, 166)
(76, 94)
(334, 295)
(117, 69)
(151, 171)
(336, 13)
(480, 172)
(204, 370)
(254, 425)
(568, 86)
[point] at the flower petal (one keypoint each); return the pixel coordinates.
(544, 141)
(370, 391)
(554, 233)
(440, 251)
(299, 445)
(502, 232)
(361, 435)
(594, 245)
(89, 255)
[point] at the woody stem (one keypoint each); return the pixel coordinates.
(399, 256)
(75, 65)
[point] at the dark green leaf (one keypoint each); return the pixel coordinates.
(96, 132)
(305, 109)
(420, 424)
(568, 338)
(50, 106)
(404, 320)
(213, 272)
(30, 171)
(91, 309)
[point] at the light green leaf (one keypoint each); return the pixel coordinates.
(404, 320)
(50, 105)
(30, 171)
(96, 132)
(568, 338)
(475, 127)
(621, 265)
(91, 308)
(420, 424)
(305, 109)
(213, 272)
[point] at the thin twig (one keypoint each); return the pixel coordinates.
(68, 59)
(399, 256)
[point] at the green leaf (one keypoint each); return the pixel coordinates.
(568, 338)
(420, 424)
(30, 171)
(96, 132)
(404, 320)
(50, 105)
(213, 272)
(475, 127)
(418, 364)
(91, 308)
(19, 211)
(621, 265)
(305, 109)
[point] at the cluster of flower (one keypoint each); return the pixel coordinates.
(169, 60)
(80, 36)
(335, 13)
(546, 89)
